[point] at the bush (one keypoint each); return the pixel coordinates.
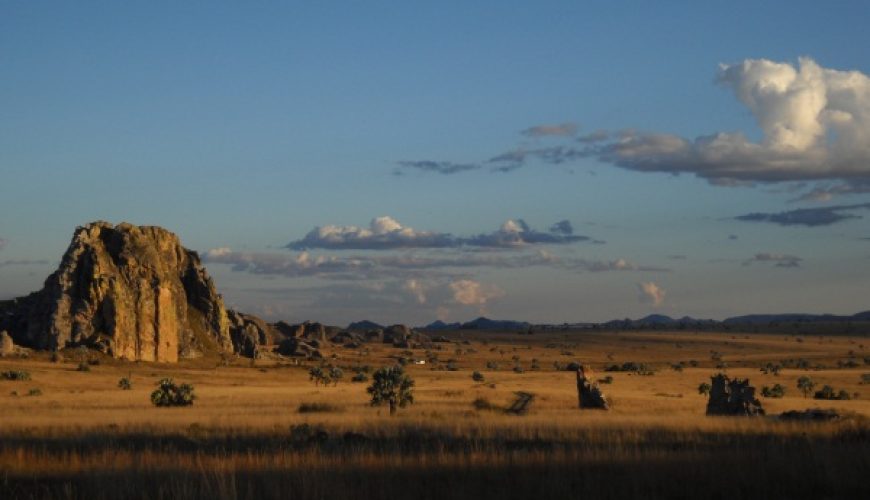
(573, 366)
(828, 392)
(360, 377)
(15, 375)
(606, 380)
(518, 369)
(704, 389)
(169, 394)
(477, 376)
(83, 367)
(483, 404)
(34, 392)
(319, 408)
(125, 384)
(491, 365)
(776, 392)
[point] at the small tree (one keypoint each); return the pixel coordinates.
(125, 384)
(806, 385)
(704, 389)
(335, 375)
(318, 376)
(392, 385)
(477, 376)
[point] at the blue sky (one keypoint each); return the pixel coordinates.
(245, 128)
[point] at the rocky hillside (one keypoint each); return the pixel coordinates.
(131, 291)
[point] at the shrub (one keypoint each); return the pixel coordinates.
(776, 392)
(483, 404)
(34, 392)
(319, 408)
(125, 384)
(573, 366)
(83, 367)
(477, 376)
(704, 389)
(318, 375)
(15, 375)
(606, 380)
(491, 365)
(169, 394)
(827, 392)
(393, 386)
(360, 377)
(518, 368)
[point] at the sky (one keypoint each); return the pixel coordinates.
(405, 162)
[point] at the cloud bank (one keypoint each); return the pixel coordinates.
(386, 233)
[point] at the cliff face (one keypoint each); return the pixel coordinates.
(131, 291)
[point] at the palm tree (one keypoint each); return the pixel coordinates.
(392, 385)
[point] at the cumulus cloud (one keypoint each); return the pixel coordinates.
(438, 167)
(473, 293)
(651, 293)
(815, 123)
(383, 233)
(810, 217)
(777, 259)
(558, 130)
(386, 233)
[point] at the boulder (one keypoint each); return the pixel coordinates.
(133, 291)
(398, 335)
(7, 346)
(732, 397)
(298, 347)
(589, 395)
(376, 335)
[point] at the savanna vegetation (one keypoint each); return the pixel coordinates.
(272, 429)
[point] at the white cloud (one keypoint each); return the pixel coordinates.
(386, 233)
(416, 289)
(815, 122)
(473, 293)
(651, 293)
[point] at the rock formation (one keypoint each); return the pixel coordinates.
(7, 347)
(131, 291)
(732, 397)
(589, 395)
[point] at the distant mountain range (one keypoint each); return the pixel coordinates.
(651, 321)
(480, 323)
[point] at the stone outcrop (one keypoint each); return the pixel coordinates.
(732, 397)
(131, 291)
(7, 346)
(589, 394)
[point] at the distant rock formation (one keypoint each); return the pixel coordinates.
(589, 395)
(135, 293)
(732, 397)
(7, 346)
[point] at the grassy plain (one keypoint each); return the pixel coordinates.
(245, 437)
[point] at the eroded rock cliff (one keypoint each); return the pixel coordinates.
(132, 291)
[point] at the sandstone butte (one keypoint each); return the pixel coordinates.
(135, 293)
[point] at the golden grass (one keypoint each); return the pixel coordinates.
(85, 438)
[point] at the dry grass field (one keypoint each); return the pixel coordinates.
(81, 436)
